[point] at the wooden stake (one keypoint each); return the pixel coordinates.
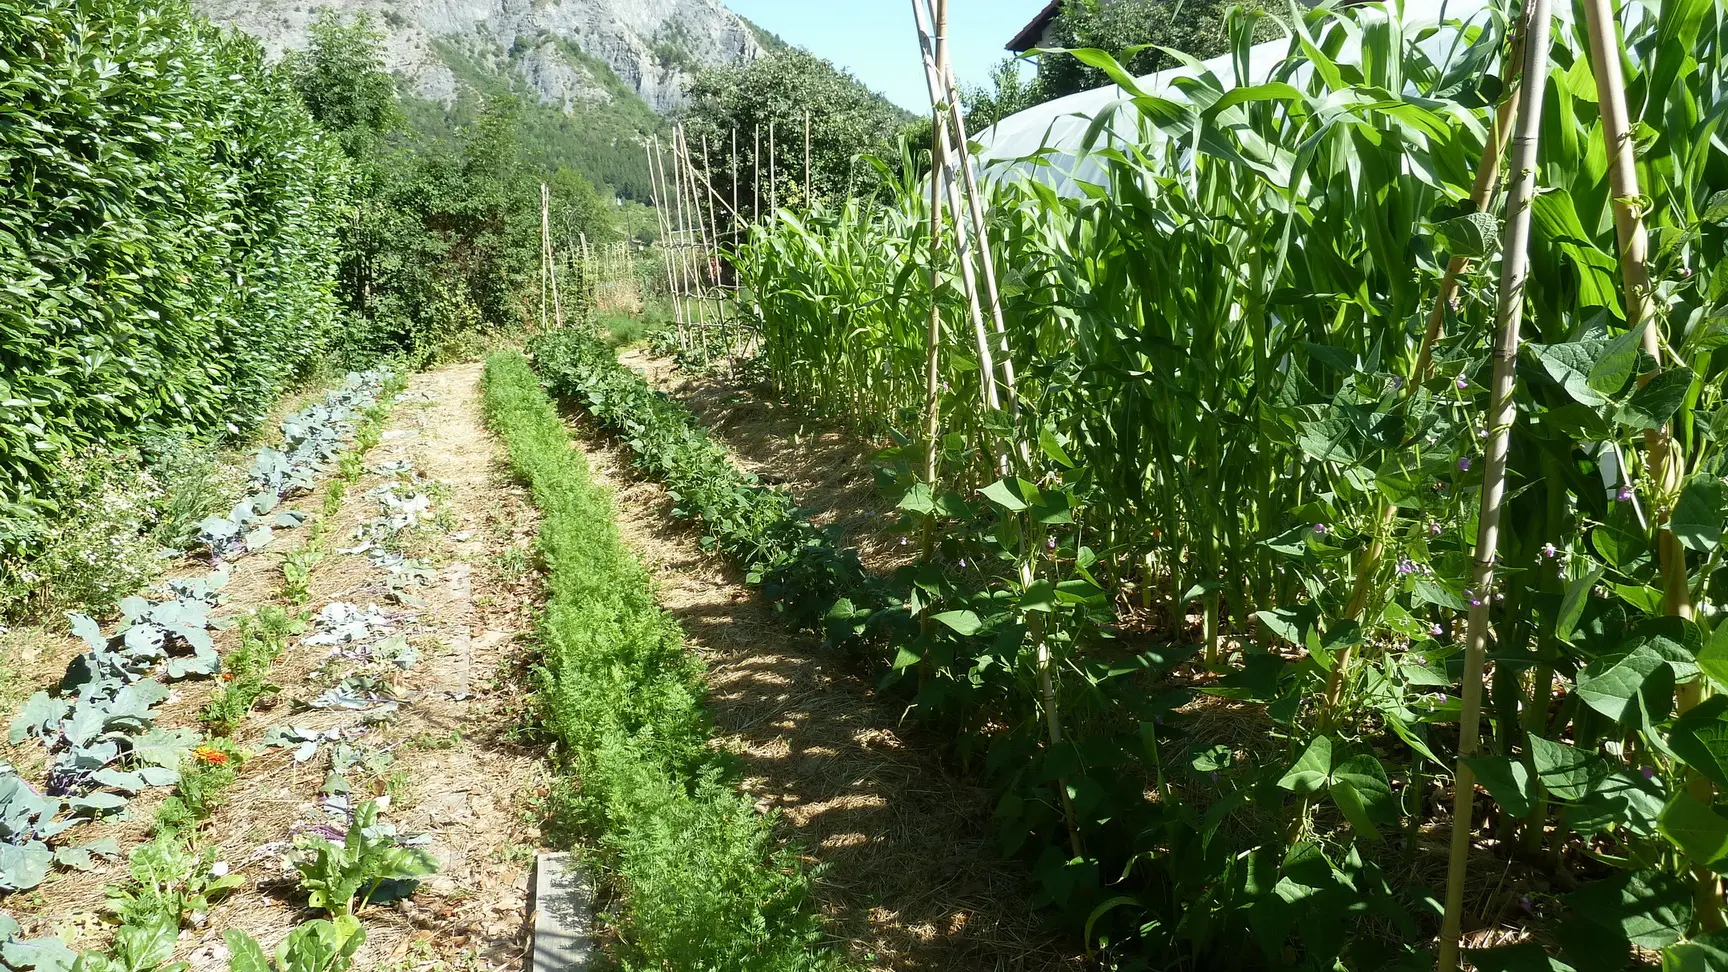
(545, 249)
(1502, 413)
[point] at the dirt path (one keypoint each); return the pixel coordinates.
(908, 874)
(832, 474)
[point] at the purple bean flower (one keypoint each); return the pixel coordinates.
(1464, 464)
(1463, 383)
(1050, 543)
(1648, 771)
(1397, 382)
(1407, 567)
(1625, 494)
(1320, 529)
(1524, 904)
(962, 561)
(1214, 776)
(1433, 528)
(1550, 551)
(1437, 630)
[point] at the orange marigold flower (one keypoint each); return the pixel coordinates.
(227, 676)
(210, 755)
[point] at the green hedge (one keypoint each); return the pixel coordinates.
(168, 217)
(702, 885)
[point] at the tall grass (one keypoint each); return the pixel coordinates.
(700, 881)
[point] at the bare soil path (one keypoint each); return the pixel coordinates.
(908, 873)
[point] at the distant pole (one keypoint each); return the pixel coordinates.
(545, 249)
(773, 172)
(809, 177)
(756, 170)
(737, 215)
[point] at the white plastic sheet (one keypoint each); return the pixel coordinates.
(1058, 128)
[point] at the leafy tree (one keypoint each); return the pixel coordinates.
(1132, 31)
(342, 80)
(1009, 91)
(447, 234)
(774, 94)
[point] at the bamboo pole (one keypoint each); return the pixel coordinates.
(756, 170)
(1502, 413)
(1662, 453)
(737, 220)
(657, 174)
(942, 170)
(773, 171)
(975, 208)
(809, 178)
(686, 237)
(545, 250)
(976, 246)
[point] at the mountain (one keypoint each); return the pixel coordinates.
(565, 53)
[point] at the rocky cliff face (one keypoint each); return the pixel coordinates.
(561, 49)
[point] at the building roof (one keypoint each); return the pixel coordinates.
(1033, 32)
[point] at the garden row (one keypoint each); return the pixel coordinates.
(1252, 379)
(104, 750)
(697, 877)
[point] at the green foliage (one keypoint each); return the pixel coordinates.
(703, 882)
(205, 776)
(170, 882)
(1131, 31)
(316, 946)
(1007, 92)
(341, 79)
(167, 233)
(601, 139)
(263, 638)
(774, 94)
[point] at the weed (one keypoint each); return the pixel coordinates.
(263, 638)
(211, 769)
(333, 497)
(431, 740)
(514, 562)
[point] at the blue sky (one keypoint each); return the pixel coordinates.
(875, 39)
